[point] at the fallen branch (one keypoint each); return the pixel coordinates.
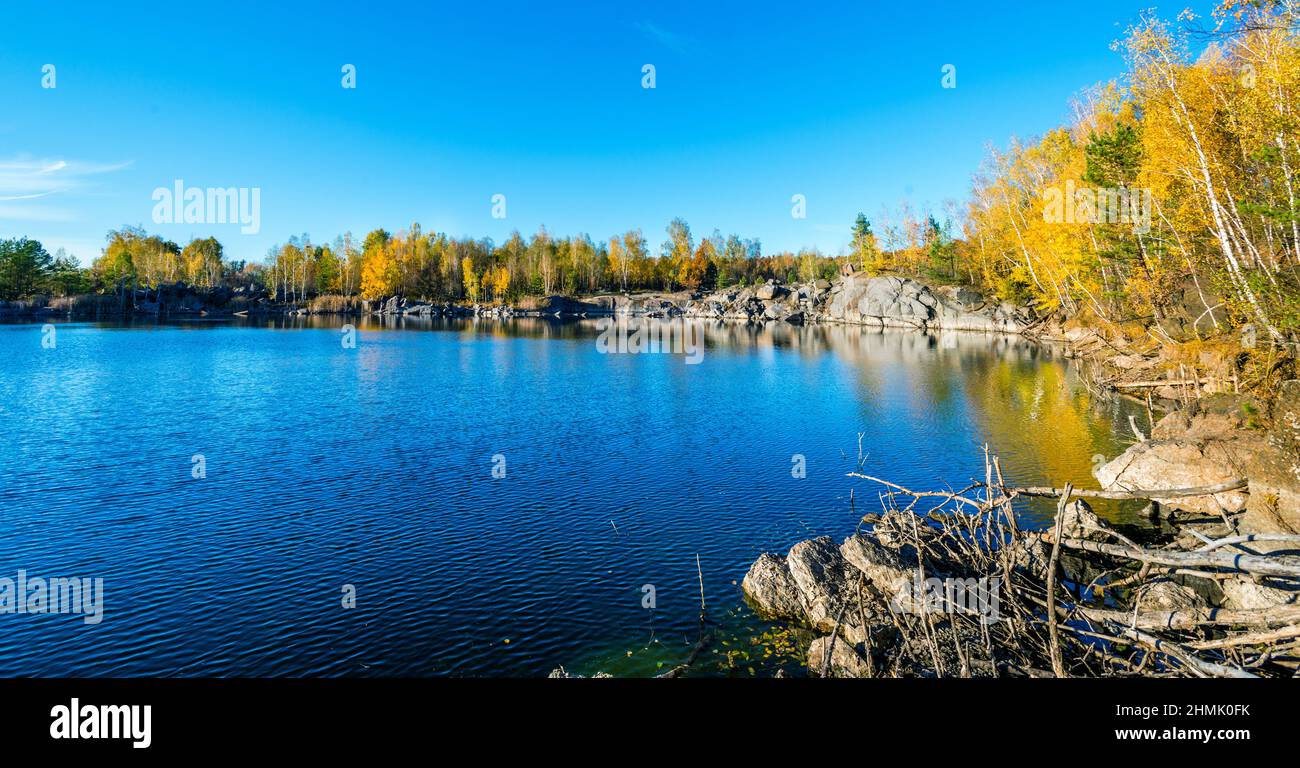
(1053, 562)
(1161, 383)
(1184, 655)
(705, 637)
(1186, 620)
(1263, 565)
(1081, 631)
(1246, 539)
(1235, 484)
(1258, 638)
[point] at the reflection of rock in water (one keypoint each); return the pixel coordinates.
(856, 344)
(851, 343)
(1019, 396)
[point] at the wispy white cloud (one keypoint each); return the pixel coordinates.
(664, 37)
(41, 213)
(32, 196)
(24, 179)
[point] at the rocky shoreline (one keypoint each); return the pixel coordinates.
(856, 299)
(860, 595)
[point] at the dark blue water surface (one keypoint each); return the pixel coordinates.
(373, 467)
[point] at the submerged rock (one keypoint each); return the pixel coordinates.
(561, 672)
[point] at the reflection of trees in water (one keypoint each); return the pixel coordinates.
(1019, 396)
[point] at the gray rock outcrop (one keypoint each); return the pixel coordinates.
(1155, 465)
(822, 586)
(899, 302)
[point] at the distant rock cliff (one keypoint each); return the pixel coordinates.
(880, 302)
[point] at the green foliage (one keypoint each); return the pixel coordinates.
(25, 267)
(941, 249)
(1251, 415)
(1113, 157)
(866, 252)
(67, 278)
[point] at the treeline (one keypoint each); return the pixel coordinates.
(131, 258)
(436, 266)
(415, 264)
(27, 269)
(1180, 179)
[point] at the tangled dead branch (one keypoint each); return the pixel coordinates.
(1079, 599)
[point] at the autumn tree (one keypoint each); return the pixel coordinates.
(201, 261)
(380, 275)
(471, 279)
(866, 251)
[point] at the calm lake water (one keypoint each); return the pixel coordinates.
(373, 467)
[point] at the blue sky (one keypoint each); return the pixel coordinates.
(457, 102)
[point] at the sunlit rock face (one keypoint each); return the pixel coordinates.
(1156, 465)
(1217, 441)
(898, 302)
(876, 302)
(1275, 475)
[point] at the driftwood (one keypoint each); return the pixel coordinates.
(1284, 615)
(1258, 638)
(1237, 541)
(1153, 495)
(1161, 383)
(1051, 624)
(1205, 668)
(1262, 565)
(1053, 562)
